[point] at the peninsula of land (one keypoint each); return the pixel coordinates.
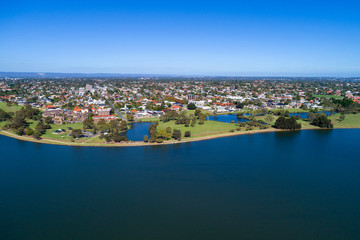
(142, 112)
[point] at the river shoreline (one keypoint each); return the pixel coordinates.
(140, 143)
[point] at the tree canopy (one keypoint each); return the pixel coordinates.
(287, 123)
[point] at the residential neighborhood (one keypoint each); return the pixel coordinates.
(73, 100)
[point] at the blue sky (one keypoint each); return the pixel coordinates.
(246, 38)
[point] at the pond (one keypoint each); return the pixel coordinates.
(226, 118)
(138, 131)
(304, 115)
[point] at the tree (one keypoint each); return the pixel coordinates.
(322, 121)
(41, 127)
(176, 134)
(191, 106)
(169, 115)
(19, 131)
(4, 115)
(187, 134)
(29, 131)
(193, 122)
(76, 133)
(163, 134)
(153, 132)
(187, 122)
(89, 124)
(118, 137)
(48, 120)
(202, 118)
(37, 135)
(197, 111)
(168, 129)
(146, 138)
(130, 117)
(311, 116)
(342, 117)
(123, 126)
(240, 105)
(287, 123)
(18, 123)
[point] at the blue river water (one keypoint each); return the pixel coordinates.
(280, 185)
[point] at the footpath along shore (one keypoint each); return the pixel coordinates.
(140, 143)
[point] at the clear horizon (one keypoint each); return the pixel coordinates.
(209, 38)
(40, 73)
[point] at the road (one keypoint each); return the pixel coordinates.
(116, 111)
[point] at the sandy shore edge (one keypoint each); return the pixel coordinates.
(137, 144)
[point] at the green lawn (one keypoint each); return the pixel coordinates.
(188, 112)
(263, 118)
(13, 108)
(208, 128)
(328, 96)
(49, 132)
(306, 124)
(152, 119)
(350, 121)
(65, 136)
(2, 124)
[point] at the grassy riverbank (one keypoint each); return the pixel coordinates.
(208, 130)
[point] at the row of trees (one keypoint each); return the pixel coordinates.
(112, 131)
(182, 118)
(18, 122)
(164, 134)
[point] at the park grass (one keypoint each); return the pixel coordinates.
(208, 128)
(13, 107)
(2, 124)
(49, 132)
(305, 124)
(95, 140)
(263, 118)
(65, 135)
(151, 119)
(350, 121)
(328, 96)
(192, 112)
